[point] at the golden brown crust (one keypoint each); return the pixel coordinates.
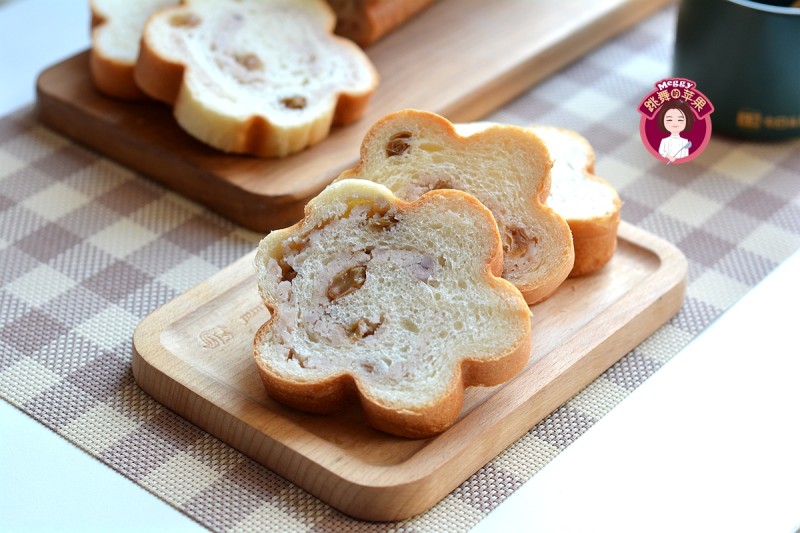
(594, 236)
(319, 397)
(595, 243)
(111, 77)
(158, 78)
(437, 417)
(422, 423)
(333, 395)
(350, 108)
(367, 21)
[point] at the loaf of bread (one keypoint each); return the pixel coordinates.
(366, 21)
(589, 204)
(396, 305)
(507, 168)
(261, 77)
(116, 32)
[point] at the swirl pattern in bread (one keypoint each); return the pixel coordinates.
(398, 305)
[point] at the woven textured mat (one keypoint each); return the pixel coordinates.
(88, 248)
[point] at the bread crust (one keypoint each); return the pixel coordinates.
(484, 365)
(594, 233)
(111, 75)
(595, 243)
(156, 76)
(113, 78)
(251, 131)
(330, 396)
(367, 21)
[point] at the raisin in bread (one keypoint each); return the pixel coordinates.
(116, 32)
(398, 305)
(589, 204)
(366, 21)
(507, 168)
(262, 77)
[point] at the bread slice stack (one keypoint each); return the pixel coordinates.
(589, 204)
(507, 168)
(116, 31)
(260, 77)
(397, 305)
(390, 290)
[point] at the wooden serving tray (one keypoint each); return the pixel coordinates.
(194, 355)
(459, 58)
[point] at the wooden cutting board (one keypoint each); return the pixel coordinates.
(459, 58)
(194, 355)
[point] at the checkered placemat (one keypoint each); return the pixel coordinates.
(88, 248)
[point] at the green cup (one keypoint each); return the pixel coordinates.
(745, 57)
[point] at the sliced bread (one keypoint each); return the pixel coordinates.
(261, 77)
(507, 168)
(116, 32)
(396, 305)
(589, 204)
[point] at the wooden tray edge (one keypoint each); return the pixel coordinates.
(418, 484)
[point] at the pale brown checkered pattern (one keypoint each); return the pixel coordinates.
(88, 248)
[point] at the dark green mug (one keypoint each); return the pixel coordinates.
(745, 57)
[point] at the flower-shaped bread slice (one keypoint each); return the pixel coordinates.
(397, 305)
(264, 77)
(506, 167)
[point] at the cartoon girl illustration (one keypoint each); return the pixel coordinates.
(675, 117)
